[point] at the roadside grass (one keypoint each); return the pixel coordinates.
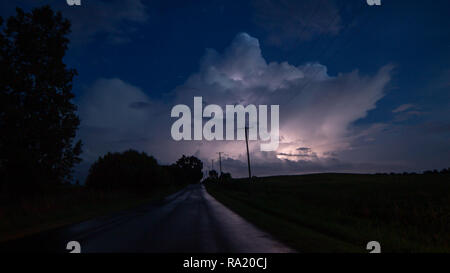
(343, 212)
(68, 205)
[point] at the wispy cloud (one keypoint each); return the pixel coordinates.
(109, 19)
(403, 108)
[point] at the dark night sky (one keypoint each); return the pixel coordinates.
(371, 84)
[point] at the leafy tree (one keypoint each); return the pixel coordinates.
(129, 170)
(191, 168)
(38, 120)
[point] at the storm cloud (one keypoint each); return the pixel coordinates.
(317, 111)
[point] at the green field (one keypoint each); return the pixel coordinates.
(343, 212)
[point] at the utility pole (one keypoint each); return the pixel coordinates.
(248, 154)
(220, 162)
(212, 164)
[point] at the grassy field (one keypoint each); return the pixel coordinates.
(70, 204)
(343, 212)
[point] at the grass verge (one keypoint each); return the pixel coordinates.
(68, 206)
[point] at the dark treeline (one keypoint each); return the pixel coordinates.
(139, 172)
(213, 176)
(445, 171)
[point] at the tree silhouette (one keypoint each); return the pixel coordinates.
(191, 168)
(38, 120)
(129, 170)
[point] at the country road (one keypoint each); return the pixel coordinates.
(190, 220)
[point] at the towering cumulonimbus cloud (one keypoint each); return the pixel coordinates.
(317, 110)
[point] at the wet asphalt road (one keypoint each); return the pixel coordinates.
(188, 221)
